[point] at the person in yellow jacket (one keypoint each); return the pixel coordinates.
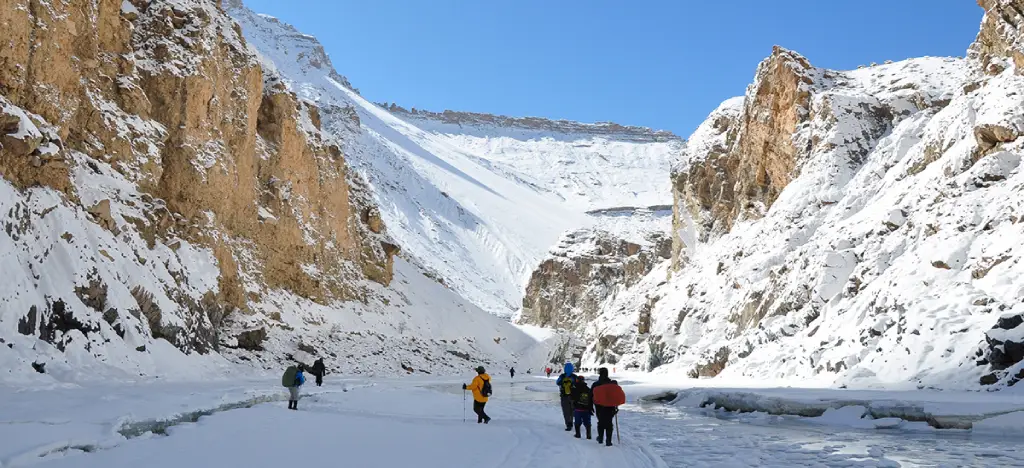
(481, 387)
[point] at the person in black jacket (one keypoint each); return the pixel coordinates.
(605, 414)
(318, 371)
(583, 405)
(565, 382)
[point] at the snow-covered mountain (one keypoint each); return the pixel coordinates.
(179, 186)
(474, 199)
(169, 206)
(849, 227)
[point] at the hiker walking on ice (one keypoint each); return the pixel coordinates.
(481, 388)
(582, 404)
(607, 397)
(564, 383)
(318, 371)
(293, 379)
(512, 372)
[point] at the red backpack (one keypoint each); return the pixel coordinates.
(609, 394)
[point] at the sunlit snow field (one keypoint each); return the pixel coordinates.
(395, 422)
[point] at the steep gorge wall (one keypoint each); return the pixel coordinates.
(587, 267)
(158, 126)
(743, 175)
(855, 227)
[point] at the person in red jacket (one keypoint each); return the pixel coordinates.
(605, 414)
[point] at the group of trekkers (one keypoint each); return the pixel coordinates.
(579, 402)
(294, 378)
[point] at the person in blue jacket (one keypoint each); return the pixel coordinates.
(293, 391)
(565, 382)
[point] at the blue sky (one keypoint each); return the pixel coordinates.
(662, 64)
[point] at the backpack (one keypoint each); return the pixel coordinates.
(485, 389)
(609, 394)
(288, 379)
(583, 398)
(567, 385)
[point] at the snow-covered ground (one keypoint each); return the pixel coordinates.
(414, 324)
(394, 422)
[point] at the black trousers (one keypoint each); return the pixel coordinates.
(478, 408)
(605, 420)
(319, 380)
(567, 408)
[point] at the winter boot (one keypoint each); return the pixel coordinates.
(577, 432)
(588, 432)
(568, 428)
(291, 404)
(608, 437)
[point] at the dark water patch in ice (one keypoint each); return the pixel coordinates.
(131, 430)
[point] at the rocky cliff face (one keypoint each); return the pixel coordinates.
(158, 181)
(742, 173)
(749, 150)
(850, 226)
(610, 129)
(585, 269)
(999, 42)
(588, 270)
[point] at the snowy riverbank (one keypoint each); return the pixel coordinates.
(362, 421)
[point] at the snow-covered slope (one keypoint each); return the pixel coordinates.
(858, 227)
(169, 208)
(587, 166)
(475, 200)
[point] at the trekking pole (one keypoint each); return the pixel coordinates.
(618, 429)
(463, 405)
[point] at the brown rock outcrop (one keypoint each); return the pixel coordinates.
(1000, 35)
(167, 94)
(754, 158)
(568, 288)
(30, 151)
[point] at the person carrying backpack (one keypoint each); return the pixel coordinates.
(607, 398)
(564, 383)
(583, 405)
(319, 370)
(293, 379)
(481, 387)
